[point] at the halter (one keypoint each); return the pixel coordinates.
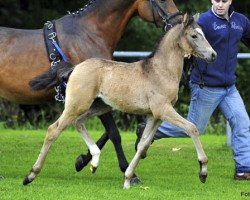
(166, 18)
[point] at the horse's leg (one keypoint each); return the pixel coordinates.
(53, 132)
(93, 148)
(83, 159)
(111, 133)
(147, 136)
(97, 108)
(174, 118)
(114, 135)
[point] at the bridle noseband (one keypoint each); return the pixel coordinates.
(166, 18)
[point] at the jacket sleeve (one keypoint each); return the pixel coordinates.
(246, 34)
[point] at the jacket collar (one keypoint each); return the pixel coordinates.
(230, 12)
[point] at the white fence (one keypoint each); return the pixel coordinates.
(141, 54)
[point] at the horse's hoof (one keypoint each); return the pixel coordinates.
(135, 180)
(81, 162)
(92, 169)
(26, 181)
(203, 177)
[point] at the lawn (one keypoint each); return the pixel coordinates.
(166, 174)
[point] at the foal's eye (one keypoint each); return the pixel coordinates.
(163, 1)
(194, 36)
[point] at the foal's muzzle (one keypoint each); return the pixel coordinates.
(212, 57)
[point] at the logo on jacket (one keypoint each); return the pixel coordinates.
(218, 27)
(223, 26)
(234, 26)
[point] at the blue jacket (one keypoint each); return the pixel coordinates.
(224, 36)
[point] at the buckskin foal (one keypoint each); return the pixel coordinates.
(93, 31)
(148, 87)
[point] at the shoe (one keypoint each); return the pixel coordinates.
(242, 176)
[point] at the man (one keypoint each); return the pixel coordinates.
(213, 85)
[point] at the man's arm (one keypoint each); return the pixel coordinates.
(246, 35)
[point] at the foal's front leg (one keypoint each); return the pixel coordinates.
(170, 115)
(147, 136)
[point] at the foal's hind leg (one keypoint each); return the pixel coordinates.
(53, 132)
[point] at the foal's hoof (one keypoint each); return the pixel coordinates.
(126, 184)
(81, 162)
(26, 181)
(135, 180)
(203, 177)
(92, 169)
(203, 172)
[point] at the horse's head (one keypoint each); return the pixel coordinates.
(193, 40)
(161, 12)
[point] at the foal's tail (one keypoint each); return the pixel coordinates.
(53, 77)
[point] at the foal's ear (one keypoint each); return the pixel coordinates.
(196, 17)
(186, 19)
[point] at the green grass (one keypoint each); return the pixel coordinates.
(166, 174)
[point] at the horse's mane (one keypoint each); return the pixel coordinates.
(94, 4)
(85, 9)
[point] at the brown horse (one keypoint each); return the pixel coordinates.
(93, 31)
(151, 87)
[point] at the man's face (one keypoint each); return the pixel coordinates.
(221, 7)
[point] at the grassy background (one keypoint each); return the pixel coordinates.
(166, 174)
